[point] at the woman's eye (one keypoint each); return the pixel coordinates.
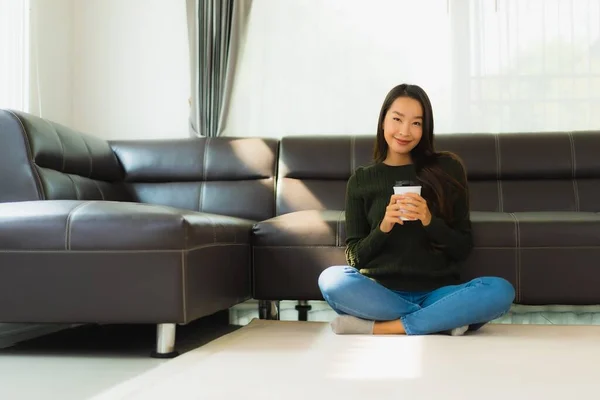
(396, 119)
(417, 123)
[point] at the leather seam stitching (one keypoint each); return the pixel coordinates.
(62, 146)
(99, 189)
(69, 224)
(517, 256)
(574, 173)
(184, 283)
(200, 202)
(119, 251)
(498, 173)
(32, 163)
(89, 157)
(214, 229)
(475, 247)
(339, 229)
(75, 188)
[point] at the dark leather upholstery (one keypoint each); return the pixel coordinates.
(98, 261)
(43, 160)
(516, 172)
(534, 199)
(313, 170)
(91, 253)
(172, 230)
(230, 176)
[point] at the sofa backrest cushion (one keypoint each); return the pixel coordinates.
(224, 175)
(511, 172)
(313, 170)
(43, 160)
(531, 171)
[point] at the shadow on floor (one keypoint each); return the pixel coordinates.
(122, 340)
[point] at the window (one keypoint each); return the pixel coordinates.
(530, 65)
(324, 67)
(14, 54)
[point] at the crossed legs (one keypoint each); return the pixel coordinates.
(365, 306)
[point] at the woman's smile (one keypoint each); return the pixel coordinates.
(403, 142)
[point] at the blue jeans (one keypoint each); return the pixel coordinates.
(471, 304)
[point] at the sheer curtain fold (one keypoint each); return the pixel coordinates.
(14, 54)
(215, 29)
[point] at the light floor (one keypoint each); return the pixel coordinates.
(302, 360)
(86, 361)
(80, 363)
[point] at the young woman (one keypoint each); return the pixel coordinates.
(405, 251)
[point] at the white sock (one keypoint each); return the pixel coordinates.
(349, 325)
(459, 331)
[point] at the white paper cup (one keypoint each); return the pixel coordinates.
(407, 189)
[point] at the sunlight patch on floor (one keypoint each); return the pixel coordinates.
(373, 358)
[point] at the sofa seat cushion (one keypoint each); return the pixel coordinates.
(552, 256)
(490, 229)
(558, 229)
(536, 229)
(111, 262)
(527, 248)
(106, 225)
(302, 228)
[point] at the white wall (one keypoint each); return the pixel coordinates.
(130, 68)
(117, 69)
(51, 37)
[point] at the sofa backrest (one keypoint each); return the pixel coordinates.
(510, 172)
(516, 172)
(43, 160)
(313, 170)
(507, 172)
(224, 175)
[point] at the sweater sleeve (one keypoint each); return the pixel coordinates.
(362, 240)
(455, 238)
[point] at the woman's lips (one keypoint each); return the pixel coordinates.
(402, 142)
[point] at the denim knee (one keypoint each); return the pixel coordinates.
(503, 290)
(330, 279)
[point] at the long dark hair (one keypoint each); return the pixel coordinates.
(438, 187)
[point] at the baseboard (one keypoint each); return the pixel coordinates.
(11, 334)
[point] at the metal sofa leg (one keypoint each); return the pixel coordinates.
(268, 309)
(165, 341)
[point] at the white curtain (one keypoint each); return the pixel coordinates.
(14, 54)
(324, 67)
(534, 66)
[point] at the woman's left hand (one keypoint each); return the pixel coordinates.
(414, 207)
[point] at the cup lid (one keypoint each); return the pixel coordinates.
(406, 183)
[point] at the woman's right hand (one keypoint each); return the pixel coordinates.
(392, 214)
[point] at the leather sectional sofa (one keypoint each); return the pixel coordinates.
(168, 231)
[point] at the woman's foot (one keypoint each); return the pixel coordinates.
(459, 331)
(349, 325)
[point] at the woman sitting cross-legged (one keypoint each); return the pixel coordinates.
(405, 251)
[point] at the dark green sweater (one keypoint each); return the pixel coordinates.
(404, 259)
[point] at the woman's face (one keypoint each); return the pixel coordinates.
(403, 127)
